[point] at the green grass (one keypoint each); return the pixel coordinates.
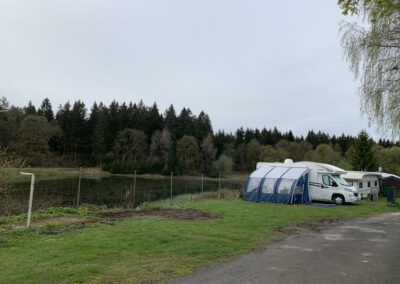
(84, 210)
(147, 249)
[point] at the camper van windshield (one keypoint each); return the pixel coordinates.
(341, 181)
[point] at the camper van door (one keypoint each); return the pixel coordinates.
(328, 184)
(322, 189)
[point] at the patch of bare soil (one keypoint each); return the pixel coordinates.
(183, 214)
(316, 226)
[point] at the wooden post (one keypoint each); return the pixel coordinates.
(79, 187)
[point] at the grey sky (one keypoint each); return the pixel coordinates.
(246, 63)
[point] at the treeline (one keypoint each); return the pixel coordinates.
(124, 137)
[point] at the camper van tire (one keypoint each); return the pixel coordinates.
(338, 199)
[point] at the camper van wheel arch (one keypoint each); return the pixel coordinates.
(338, 199)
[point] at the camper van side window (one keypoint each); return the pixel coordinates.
(325, 180)
(329, 181)
(360, 185)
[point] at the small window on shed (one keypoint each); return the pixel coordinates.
(375, 183)
(369, 184)
(360, 185)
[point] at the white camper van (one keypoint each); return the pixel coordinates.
(324, 181)
(366, 183)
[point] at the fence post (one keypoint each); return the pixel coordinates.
(79, 187)
(171, 185)
(28, 221)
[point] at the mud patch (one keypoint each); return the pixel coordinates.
(317, 226)
(182, 214)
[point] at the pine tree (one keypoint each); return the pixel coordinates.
(30, 109)
(46, 110)
(363, 156)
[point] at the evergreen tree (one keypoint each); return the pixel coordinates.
(63, 119)
(78, 130)
(185, 124)
(170, 120)
(221, 139)
(154, 119)
(30, 109)
(239, 137)
(113, 124)
(363, 156)
(97, 128)
(46, 110)
(203, 126)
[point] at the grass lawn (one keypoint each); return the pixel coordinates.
(147, 249)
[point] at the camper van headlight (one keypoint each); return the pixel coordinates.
(348, 189)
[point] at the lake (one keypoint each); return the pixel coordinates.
(114, 191)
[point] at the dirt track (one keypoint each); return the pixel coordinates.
(186, 214)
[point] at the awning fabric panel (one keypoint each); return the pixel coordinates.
(278, 184)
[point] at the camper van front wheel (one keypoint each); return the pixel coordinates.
(338, 199)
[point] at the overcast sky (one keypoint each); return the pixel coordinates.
(246, 63)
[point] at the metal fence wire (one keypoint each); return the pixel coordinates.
(112, 191)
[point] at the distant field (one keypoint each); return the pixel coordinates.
(149, 248)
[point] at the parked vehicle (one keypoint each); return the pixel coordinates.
(368, 184)
(324, 182)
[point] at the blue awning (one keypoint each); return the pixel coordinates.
(279, 184)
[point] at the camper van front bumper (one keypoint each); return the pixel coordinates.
(351, 198)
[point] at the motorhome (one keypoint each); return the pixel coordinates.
(368, 184)
(326, 183)
(323, 182)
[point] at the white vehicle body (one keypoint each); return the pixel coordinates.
(366, 183)
(325, 182)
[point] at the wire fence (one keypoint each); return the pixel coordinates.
(110, 191)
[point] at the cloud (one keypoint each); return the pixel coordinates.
(255, 64)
